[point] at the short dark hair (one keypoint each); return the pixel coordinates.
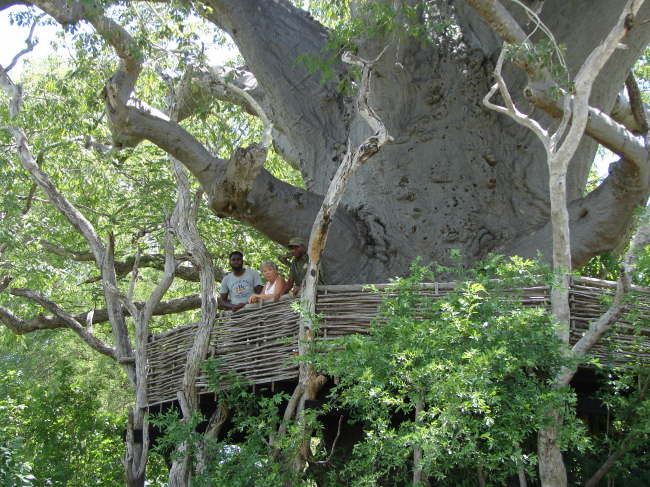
(235, 252)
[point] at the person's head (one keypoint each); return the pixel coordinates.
(297, 247)
(236, 260)
(269, 271)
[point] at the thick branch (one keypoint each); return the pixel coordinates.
(68, 320)
(169, 270)
(598, 221)
(622, 113)
(208, 84)
(600, 127)
(40, 322)
(191, 240)
(124, 267)
(636, 103)
(272, 37)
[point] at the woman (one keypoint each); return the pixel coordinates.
(274, 286)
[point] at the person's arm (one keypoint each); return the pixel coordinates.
(288, 288)
(257, 283)
(288, 285)
(258, 295)
(224, 302)
(280, 286)
(280, 289)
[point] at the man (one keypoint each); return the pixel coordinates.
(298, 266)
(237, 286)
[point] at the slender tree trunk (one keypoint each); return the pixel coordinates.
(417, 449)
(552, 471)
(309, 382)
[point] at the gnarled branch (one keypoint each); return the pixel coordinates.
(18, 325)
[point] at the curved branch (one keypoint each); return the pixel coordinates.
(601, 127)
(124, 267)
(273, 37)
(29, 45)
(599, 221)
(636, 104)
(622, 112)
(166, 281)
(68, 320)
(40, 322)
(207, 84)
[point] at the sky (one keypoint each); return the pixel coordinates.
(12, 40)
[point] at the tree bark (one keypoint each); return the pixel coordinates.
(561, 144)
(457, 176)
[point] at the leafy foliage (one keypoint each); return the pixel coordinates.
(233, 462)
(477, 360)
(57, 434)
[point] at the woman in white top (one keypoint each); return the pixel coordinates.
(275, 284)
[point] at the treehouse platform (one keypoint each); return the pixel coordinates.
(259, 341)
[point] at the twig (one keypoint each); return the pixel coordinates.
(336, 439)
(28, 42)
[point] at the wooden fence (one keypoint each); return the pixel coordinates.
(259, 341)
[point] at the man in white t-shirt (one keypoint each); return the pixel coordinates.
(237, 286)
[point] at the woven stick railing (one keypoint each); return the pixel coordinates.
(259, 342)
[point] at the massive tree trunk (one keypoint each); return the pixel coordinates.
(457, 175)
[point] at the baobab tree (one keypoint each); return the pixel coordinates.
(456, 175)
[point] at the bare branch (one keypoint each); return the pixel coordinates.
(542, 85)
(70, 322)
(600, 126)
(510, 109)
(30, 199)
(622, 112)
(29, 44)
(204, 85)
(249, 100)
(134, 275)
(587, 74)
(166, 280)
(127, 303)
(67, 253)
(124, 267)
(309, 381)
(173, 306)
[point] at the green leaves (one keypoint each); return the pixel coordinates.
(56, 434)
(477, 358)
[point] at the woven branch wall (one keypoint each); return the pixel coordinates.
(260, 341)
